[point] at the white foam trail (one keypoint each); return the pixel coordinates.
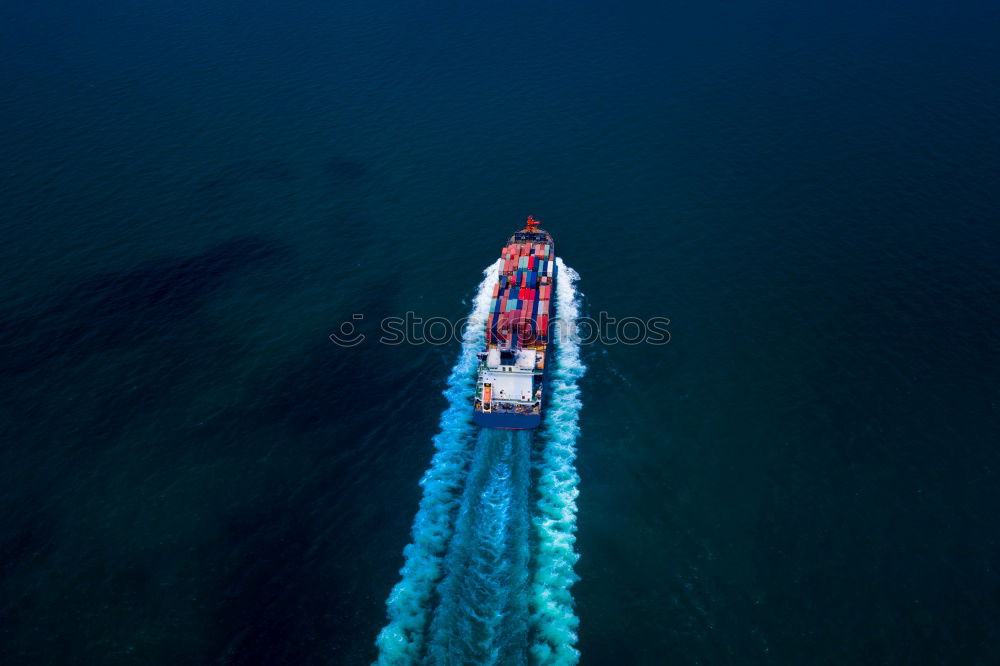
(554, 622)
(401, 641)
(482, 613)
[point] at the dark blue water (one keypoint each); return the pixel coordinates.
(195, 195)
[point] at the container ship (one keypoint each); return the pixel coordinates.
(510, 386)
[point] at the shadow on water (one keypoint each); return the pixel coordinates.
(225, 186)
(280, 589)
(126, 308)
(216, 190)
(340, 170)
(332, 386)
(270, 605)
(291, 593)
(27, 536)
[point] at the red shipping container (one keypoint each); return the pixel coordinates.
(531, 263)
(543, 324)
(496, 290)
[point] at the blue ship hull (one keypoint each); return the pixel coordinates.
(508, 421)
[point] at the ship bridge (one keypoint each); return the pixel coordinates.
(510, 373)
(510, 386)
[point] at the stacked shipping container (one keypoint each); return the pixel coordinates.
(521, 297)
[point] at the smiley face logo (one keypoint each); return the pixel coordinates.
(347, 335)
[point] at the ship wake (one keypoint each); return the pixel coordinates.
(401, 641)
(554, 622)
(487, 576)
(482, 615)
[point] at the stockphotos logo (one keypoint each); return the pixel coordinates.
(413, 330)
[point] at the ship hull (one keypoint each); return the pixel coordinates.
(507, 421)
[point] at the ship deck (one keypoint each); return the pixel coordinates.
(509, 379)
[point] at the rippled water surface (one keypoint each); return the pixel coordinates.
(195, 195)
